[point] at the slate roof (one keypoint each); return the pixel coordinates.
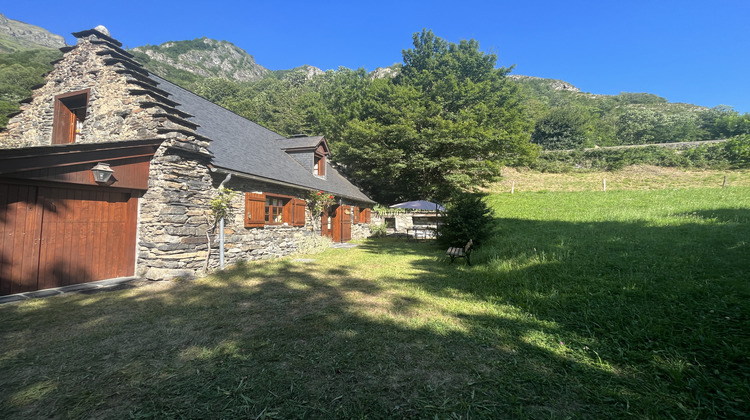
(299, 142)
(241, 145)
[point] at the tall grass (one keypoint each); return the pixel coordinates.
(584, 304)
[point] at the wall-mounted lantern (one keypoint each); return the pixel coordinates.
(102, 173)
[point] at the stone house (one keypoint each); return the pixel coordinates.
(167, 152)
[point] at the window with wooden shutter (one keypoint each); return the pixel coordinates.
(273, 209)
(255, 205)
(69, 113)
(355, 215)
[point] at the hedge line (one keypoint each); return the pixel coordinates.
(732, 154)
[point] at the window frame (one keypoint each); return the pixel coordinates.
(275, 209)
(70, 110)
(292, 212)
(319, 165)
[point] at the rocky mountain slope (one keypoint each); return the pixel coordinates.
(16, 36)
(203, 57)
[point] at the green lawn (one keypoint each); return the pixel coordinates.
(585, 304)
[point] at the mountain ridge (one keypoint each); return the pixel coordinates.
(190, 61)
(17, 36)
(205, 57)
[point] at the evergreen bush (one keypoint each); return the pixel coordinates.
(467, 216)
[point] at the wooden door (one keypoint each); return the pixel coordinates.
(346, 224)
(326, 224)
(51, 237)
(339, 222)
(20, 230)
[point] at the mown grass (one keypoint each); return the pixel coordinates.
(585, 304)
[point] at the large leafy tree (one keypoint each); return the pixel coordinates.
(563, 128)
(331, 100)
(728, 122)
(447, 123)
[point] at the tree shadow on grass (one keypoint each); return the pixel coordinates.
(556, 320)
(665, 306)
(724, 215)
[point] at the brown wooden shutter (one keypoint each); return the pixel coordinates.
(366, 216)
(287, 214)
(324, 218)
(255, 210)
(355, 211)
(299, 212)
(63, 124)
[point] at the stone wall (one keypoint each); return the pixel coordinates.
(403, 221)
(114, 112)
(174, 220)
(270, 241)
(361, 231)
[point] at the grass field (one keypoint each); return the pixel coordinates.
(625, 303)
(639, 177)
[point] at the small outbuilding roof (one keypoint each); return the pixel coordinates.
(419, 205)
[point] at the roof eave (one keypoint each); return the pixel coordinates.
(219, 169)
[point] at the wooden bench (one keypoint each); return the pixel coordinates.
(465, 252)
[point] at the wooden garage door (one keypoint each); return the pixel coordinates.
(52, 237)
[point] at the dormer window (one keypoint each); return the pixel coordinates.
(319, 167)
(310, 152)
(70, 112)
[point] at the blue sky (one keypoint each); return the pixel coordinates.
(686, 51)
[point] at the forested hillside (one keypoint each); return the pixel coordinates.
(563, 117)
(568, 119)
(25, 55)
(19, 71)
(448, 121)
(18, 36)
